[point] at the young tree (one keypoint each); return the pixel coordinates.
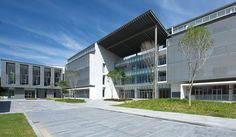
(72, 78)
(116, 75)
(63, 85)
(195, 45)
(151, 61)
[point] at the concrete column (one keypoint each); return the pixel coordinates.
(231, 91)
(182, 95)
(52, 77)
(30, 75)
(17, 69)
(41, 76)
(156, 93)
(35, 93)
(135, 92)
(3, 74)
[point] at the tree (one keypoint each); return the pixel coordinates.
(195, 45)
(72, 78)
(117, 75)
(63, 85)
(151, 61)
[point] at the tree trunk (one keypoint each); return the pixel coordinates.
(190, 94)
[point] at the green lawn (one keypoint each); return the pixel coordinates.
(31, 98)
(70, 100)
(118, 100)
(15, 125)
(209, 108)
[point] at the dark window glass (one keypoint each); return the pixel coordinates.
(10, 71)
(36, 75)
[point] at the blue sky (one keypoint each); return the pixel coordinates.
(50, 31)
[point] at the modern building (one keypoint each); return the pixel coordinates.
(121, 49)
(24, 80)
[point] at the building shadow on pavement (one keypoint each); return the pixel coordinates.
(5, 106)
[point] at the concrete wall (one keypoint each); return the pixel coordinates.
(82, 65)
(221, 62)
(96, 72)
(18, 88)
(19, 93)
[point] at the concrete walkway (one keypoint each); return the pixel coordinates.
(225, 123)
(99, 118)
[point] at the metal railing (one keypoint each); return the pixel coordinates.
(161, 78)
(205, 19)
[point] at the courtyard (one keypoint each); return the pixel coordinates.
(58, 119)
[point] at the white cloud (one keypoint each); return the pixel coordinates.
(34, 47)
(23, 54)
(172, 13)
(68, 42)
(173, 7)
(61, 37)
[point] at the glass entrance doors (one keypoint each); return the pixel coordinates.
(126, 94)
(145, 93)
(29, 94)
(211, 93)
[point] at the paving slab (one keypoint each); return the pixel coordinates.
(56, 119)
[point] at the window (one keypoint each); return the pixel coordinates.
(47, 76)
(213, 16)
(221, 13)
(57, 76)
(229, 10)
(103, 79)
(103, 67)
(10, 69)
(24, 70)
(199, 21)
(205, 19)
(103, 92)
(36, 75)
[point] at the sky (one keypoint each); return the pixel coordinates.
(48, 32)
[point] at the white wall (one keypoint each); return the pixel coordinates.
(175, 87)
(96, 72)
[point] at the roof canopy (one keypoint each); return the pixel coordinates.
(127, 39)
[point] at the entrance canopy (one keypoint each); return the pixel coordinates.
(127, 39)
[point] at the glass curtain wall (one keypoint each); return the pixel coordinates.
(11, 73)
(47, 76)
(36, 75)
(57, 76)
(24, 74)
(211, 92)
(126, 94)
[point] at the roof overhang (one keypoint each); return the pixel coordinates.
(127, 39)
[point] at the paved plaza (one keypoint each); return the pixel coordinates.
(79, 120)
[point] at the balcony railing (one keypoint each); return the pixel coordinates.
(162, 62)
(135, 58)
(205, 19)
(161, 78)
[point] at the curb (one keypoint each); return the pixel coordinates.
(36, 130)
(173, 120)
